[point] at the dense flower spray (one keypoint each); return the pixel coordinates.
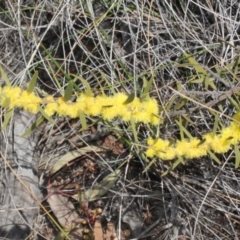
(116, 106)
(108, 107)
(196, 148)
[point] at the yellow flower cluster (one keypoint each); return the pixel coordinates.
(108, 107)
(15, 97)
(196, 148)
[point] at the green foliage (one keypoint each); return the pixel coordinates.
(32, 82)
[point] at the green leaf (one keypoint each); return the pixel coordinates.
(170, 103)
(4, 77)
(99, 189)
(83, 120)
(6, 103)
(7, 117)
(234, 103)
(214, 157)
(177, 162)
(70, 156)
(189, 120)
(33, 127)
(133, 127)
(32, 82)
(198, 68)
(166, 172)
(147, 86)
(237, 155)
(200, 80)
(129, 99)
(46, 116)
(208, 81)
(85, 84)
(179, 86)
(220, 107)
(107, 106)
(201, 142)
(149, 165)
(202, 73)
(215, 125)
(173, 166)
(183, 129)
(68, 91)
(236, 68)
(181, 103)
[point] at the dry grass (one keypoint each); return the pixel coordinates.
(191, 51)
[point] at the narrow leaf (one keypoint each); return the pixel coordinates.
(208, 81)
(167, 172)
(4, 77)
(7, 117)
(177, 162)
(32, 82)
(200, 80)
(201, 142)
(33, 127)
(70, 156)
(181, 127)
(68, 91)
(149, 165)
(197, 66)
(129, 99)
(183, 130)
(181, 103)
(237, 155)
(46, 116)
(179, 86)
(215, 125)
(189, 120)
(85, 84)
(214, 157)
(234, 103)
(170, 103)
(83, 120)
(202, 73)
(133, 126)
(147, 87)
(99, 189)
(6, 103)
(220, 107)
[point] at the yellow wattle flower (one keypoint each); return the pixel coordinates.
(51, 106)
(232, 133)
(220, 144)
(182, 147)
(194, 149)
(29, 102)
(10, 97)
(150, 153)
(93, 108)
(106, 107)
